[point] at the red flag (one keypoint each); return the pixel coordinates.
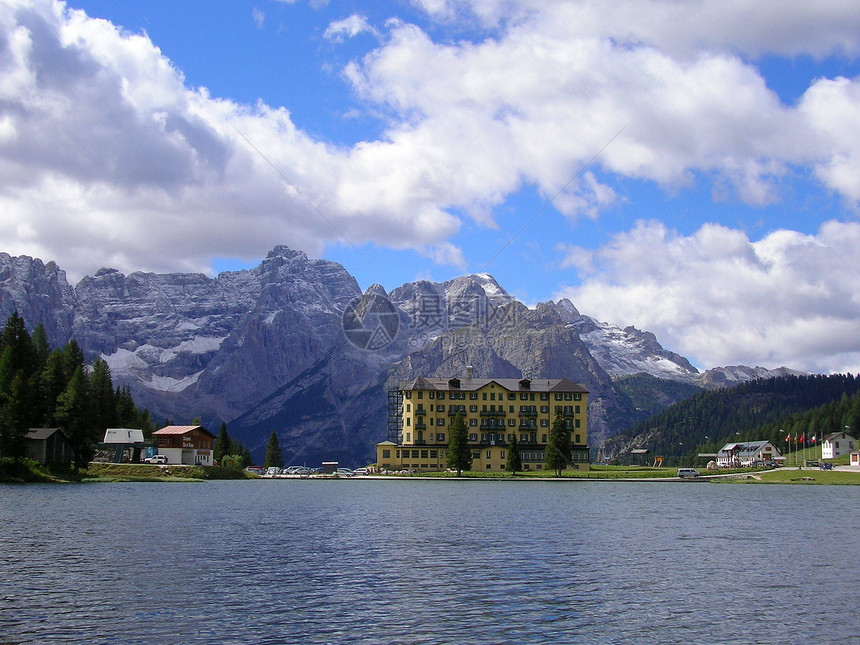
(813, 439)
(788, 438)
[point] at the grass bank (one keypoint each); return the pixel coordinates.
(27, 471)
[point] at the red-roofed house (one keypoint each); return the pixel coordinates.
(191, 445)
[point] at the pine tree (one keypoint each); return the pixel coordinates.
(15, 418)
(223, 445)
(459, 453)
(513, 461)
(273, 453)
(558, 446)
(73, 413)
(102, 396)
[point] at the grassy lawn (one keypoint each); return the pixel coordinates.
(28, 471)
(810, 476)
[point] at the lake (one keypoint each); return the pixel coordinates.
(370, 561)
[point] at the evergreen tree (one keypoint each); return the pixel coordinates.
(73, 413)
(102, 396)
(558, 446)
(273, 453)
(459, 453)
(73, 358)
(40, 346)
(53, 381)
(223, 445)
(17, 353)
(15, 418)
(513, 461)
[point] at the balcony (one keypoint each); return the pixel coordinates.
(528, 413)
(493, 413)
(420, 411)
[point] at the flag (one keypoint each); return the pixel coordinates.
(813, 439)
(788, 438)
(802, 437)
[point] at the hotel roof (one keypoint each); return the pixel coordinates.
(509, 384)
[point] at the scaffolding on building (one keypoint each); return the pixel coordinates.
(395, 416)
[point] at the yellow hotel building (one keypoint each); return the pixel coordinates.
(495, 409)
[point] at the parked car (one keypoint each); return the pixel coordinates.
(156, 459)
(687, 472)
(361, 471)
(825, 465)
(344, 472)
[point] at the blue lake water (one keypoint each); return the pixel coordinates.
(364, 561)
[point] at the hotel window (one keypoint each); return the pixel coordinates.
(544, 396)
(408, 421)
(431, 395)
(543, 438)
(544, 423)
(512, 422)
(473, 436)
(557, 396)
(424, 454)
(409, 407)
(473, 422)
(576, 408)
(433, 454)
(440, 436)
(440, 422)
(512, 396)
(431, 421)
(420, 395)
(484, 396)
(576, 439)
(576, 425)
(408, 395)
(577, 397)
(568, 396)
(408, 437)
(489, 455)
(386, 454)
(473, 408)
(473, 396)
(440, 396)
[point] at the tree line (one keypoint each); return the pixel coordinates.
(756, 410)
(43, 387)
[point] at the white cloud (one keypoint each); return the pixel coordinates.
(349, 27)
(259, 17)
(787, 299)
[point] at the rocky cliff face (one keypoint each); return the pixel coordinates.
(39, 293)
(266, 349)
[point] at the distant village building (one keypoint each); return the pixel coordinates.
(837, 444)
(123, 445)
(48, 446)
(739, 455)
(190, 445)
(495, 410)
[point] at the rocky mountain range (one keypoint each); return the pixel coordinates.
(294, 346)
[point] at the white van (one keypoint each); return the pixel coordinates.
(687, 472)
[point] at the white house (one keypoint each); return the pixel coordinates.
(123, 435)
(192, 445)
(837, 443)
(736, 455)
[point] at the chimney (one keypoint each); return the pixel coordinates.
(469, 370)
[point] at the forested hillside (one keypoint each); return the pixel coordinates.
(43, 387)
(751, 411)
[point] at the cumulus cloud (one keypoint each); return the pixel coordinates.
(348, 28)
(720, 297)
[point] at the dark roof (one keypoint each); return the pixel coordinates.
(446, 384)
(40, 434)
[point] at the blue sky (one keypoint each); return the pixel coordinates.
(416, 138)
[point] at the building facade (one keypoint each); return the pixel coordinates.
(837, 444)
(495, 411)
(739, 455)
(190, 445)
